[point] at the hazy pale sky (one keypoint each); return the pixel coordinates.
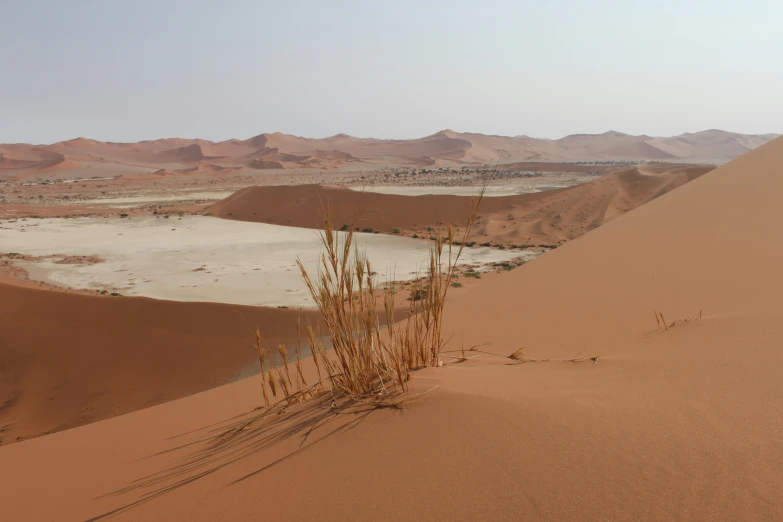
(128, 70)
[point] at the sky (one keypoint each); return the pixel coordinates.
(119, 70)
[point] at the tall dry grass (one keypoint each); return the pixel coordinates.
(368, 362)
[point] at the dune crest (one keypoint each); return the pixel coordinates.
(541, 217)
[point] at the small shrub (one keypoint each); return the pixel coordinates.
(361, 364)
(473, 274)
(487, 244)
(470, 243)
(369, 230)
(396, 231)
(415, 236)
(419, 294)
(456, 285)
(344, 228)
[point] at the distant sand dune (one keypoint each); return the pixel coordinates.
(444, 148)
(543, 217)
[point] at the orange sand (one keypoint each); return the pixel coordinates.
(542, 217)
(676, 423)
(84, 157)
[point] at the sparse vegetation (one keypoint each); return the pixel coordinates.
(366, 363)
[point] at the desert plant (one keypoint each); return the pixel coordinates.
(367, 363)
(346, 295)
(418, 293)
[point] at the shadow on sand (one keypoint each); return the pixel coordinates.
(222, 444)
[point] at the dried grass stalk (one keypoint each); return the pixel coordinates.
(364, 363)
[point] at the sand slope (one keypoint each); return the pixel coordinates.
(682, 423)
(544, 217)
(69, 359)
(444, 148)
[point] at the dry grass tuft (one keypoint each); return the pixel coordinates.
(366, 363)
(662, 324)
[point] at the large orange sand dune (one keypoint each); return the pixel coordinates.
(681, 423)
(68, 359)
(543, 217)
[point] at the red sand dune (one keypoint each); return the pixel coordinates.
(444, 148)
(69, 359)
(681, 422)
(186, 154)
(546, 217)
